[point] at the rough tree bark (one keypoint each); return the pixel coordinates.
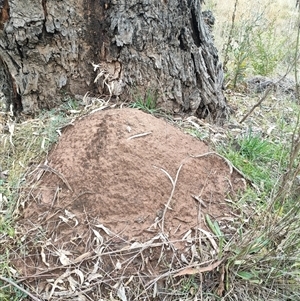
(161, 47)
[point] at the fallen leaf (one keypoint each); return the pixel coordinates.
(106, 230)
(118, 265)
(92, 277)
(121, 293)
(72, 283)
(210, 238)
(80, 275)
(183, 258)
(99, 237)
(63, 257)
(43, 255)
(192, 271)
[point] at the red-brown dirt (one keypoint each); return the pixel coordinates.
(112, 171)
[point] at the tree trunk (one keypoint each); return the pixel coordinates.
(158, 47)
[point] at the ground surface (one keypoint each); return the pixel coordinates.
(109, 179)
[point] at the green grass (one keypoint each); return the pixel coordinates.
(260, 159)
(9, 293)
(201, 135)
(146, 104)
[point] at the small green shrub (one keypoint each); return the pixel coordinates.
(267, 50)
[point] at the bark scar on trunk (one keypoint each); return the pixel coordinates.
(194, 26)
(4, 12)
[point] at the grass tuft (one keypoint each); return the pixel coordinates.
(146, 104)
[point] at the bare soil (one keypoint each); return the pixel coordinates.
(112, 178)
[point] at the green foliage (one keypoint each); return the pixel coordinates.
(214, 227)
(10, 293)
(189, 286)
(267, 51)
(255, 48)
(71, 104)
(239, 53)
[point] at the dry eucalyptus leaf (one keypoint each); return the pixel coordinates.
(73, 284)
(59, 280)
(210, 238)
(94, 276)
(192, 271)
(83, 256)
(121, 293)
(63, 257)
(69, 214)
(80, 275)
(118, 265)
(155, 290)
(44, 257)
(106, 230)
(194, 251)
(136, 245)
(183, 258)
(96, 267)
(64, 219)
(99, 237)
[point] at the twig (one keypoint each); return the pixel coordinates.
(226, 58)
(259, 102)
(266, 94)
(197, 198)
(61, 176)
(139, 135)
(19, 288)
(171, 195)
(230, 165)
(297, 87)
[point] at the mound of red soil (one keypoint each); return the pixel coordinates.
(125, 172)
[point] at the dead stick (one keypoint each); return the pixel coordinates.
(139, 135)
(258, 103)
(230, 165)
(266, 94)
(171, 195)
(61, 176)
